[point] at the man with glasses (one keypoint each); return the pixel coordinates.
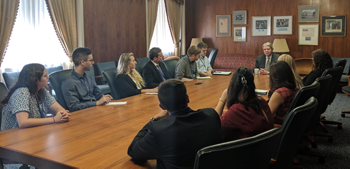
(203, 64)
(80, 90)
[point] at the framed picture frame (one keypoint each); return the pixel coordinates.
(282, 25)
(308, 13)
(308, 34)
(334, 26)
(261, 25)
(239, 17)
(239, 34)
(223, 25)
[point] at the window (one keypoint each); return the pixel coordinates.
(161, 36)
(33, 39)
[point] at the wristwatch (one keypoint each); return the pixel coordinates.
(152, 119)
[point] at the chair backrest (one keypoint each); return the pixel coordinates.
(3, 94)
(110, 75)
(171, 66)
(181, 56)
(53, 69)
(141, 62)
(341, 63)
(303, 95)
(240, 153)
(333, 86)
(212, 56)
(293, 128)
(56, 79)
(104, 66)
(10, 78)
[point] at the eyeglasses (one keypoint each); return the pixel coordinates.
(92, 60)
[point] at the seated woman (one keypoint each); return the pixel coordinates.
(129, 81)
(283, 88)
(290, 61)
(321, 61)
(247, 114)
(28, 102)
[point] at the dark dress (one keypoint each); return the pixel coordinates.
(126, 87)
(311, 77)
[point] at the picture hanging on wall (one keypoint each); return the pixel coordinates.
(334, 26)
(223, 25)
(308, 34)
(282, 25)
(239, 34)
(308, 13)
(239, 17)
(261, 26)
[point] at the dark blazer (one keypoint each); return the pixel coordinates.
(261, 60)
(311, 77)
(174, 141)
(151, 75)
(126, 87)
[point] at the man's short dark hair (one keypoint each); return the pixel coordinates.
(80, 54)
(172, 95)
(193, 50)
(202, 45)
(154, 52)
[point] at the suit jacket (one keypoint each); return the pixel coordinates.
(151, 75)
(126, 87)
(261, 60)
(174, 141)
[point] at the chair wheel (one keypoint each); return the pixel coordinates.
(321, 160)
(313, 145)
(330, 140)
(343, 115)
(340, 127)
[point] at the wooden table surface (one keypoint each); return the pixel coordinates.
(98, 137)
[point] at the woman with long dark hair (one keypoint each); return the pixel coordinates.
(28, 102)
(247, 114)
(283, 89)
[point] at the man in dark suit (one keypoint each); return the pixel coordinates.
(264, 61)
(154, 71)
(174, 135)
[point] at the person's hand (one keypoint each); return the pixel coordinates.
(209, 73)
(162, 115)
(62, 116)
(224, 96)
(154, 90)
(186, 80)
(105, 99)
(263, 72)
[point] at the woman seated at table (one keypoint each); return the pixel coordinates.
(289, 59)
(283, 88)
(247, 114)
(129, 81)
(321, 61)
(28, 102)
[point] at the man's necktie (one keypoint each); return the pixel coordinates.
(161, 73)
(267, 66)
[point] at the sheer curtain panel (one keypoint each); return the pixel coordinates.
(173, 8)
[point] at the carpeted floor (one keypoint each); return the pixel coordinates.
(338, 152)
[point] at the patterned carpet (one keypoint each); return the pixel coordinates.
(338, 152)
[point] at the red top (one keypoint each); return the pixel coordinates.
(288, 96)
(239, 122)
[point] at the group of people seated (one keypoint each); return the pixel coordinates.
(174, 135)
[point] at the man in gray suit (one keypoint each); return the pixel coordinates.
(264, 61)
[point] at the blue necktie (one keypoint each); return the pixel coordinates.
(161, 73)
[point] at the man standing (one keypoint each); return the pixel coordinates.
(186, 67)
(154, 71)
(264, 61)
(203, 64)
(174, 136)
(80, 90)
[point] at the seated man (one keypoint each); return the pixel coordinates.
(203, 64)
(155, 71)
(186, 67)
(80, 90)
(264, 61)
(174, 136)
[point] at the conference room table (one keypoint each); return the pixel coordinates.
(99, 137)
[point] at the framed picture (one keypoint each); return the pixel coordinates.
(239, 17)
(334, 26)
(282, 25)
(261, 26)
(308, 13)
(308, 34)
(239, 34)
(223, 25)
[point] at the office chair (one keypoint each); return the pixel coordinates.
(141, 62)
(56, 79)
(171, 66)
(110, 75)
(103, 66)
(212, 56)
(10, 78)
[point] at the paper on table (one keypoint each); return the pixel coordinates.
(261, 92)
(204, 77)
(151, 93)
(221, 73)
(116, 103)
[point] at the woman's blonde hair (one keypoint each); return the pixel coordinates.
(123, 67)
(289, 59)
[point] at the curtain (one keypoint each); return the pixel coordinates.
(152, 17)
(63, 13)
(173, 8)
(8, 11)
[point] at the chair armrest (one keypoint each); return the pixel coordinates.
(172, 57)
(277, 126)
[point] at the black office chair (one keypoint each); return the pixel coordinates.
(293, 128)
(56, 79)
(141, 62)
(240, 153)
(104, 66)
(212, 56)
(10, 78)
(171, 66)
(110, 75)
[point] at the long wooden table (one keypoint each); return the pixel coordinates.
(98, 137)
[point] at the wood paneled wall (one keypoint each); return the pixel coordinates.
(113, 27)
(201, 22)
